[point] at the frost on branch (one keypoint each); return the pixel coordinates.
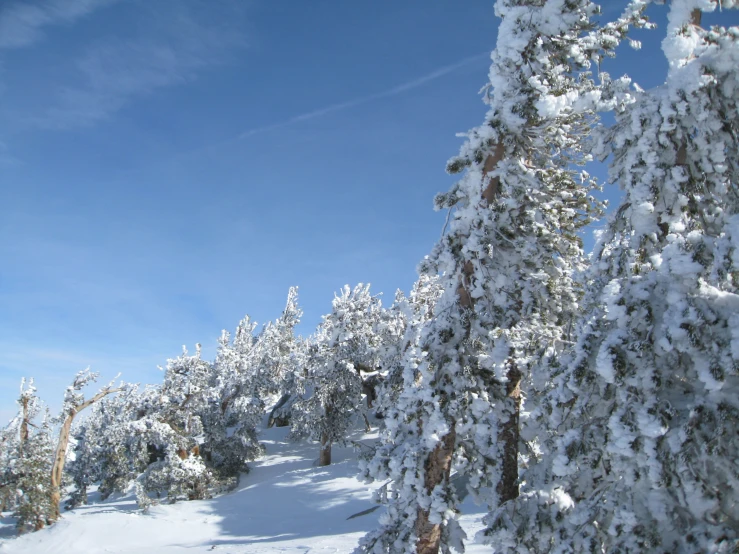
(507, 265)
(26, 453)
(344, 343)
(642, 452)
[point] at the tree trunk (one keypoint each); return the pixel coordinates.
(23, 437)
(439, 462)
(57, 469)
(367, 426)
(325, 456)
(695, 17)
(509, 437)
(438, 469)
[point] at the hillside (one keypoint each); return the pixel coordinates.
(286, 504)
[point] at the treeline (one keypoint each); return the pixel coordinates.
(590, 403)
(192, 435)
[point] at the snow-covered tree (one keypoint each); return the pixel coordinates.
(34, 507)
(25, 463)
(506, 266)
(103, 450)
(171, 430)
(8, 446)
(292, 382)
(345, 341)
(235, 406)
(74, 403)
(274, 364)
(643, 455)
(278, 362)
(399, 331)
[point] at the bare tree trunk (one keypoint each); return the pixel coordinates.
(438, 469)
(509, 437)
(325, 456)
(57, 469)
(439, 463)
(695, 17)
(24, 426)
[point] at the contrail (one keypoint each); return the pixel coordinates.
(364, 99)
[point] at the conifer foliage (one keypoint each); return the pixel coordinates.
(345, 342)
(26, 453)
(171, 428)
(507, 265)
(643, 420)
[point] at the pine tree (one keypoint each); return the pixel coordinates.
(235, 405)
(12, 438)
(274, 364)
(25, 463)
(287, 366)
(399, 333)
(104, 452)
(345, 341)
(643, 421)
(171, 430)
(8, 437)
(34, 507)
(507, 265)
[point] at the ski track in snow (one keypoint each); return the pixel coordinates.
(285, 504)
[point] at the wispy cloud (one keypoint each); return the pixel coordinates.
(118, 71)
(168, 47)
(22, 23)
(399, 89)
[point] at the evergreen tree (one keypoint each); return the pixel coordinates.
(506, 266)
(399, 333)
(642, 454)
(274, 363)
(11, 443)
(345, 341)
(34, 508)
(171, 430)
(25, 463)
(235, 407)
(8, 437)
(103, 450)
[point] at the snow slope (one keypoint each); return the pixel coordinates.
(286, 504)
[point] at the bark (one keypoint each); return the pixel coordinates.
(488, 195)
(438, 469)
(509, 437)
(695, 17)
(509, 434)
(325, 456)
(57, 470)
(24, 426)
(439, 462)
(367, 426)
(324, 459)
(491, 162)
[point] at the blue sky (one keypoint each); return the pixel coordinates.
(167, 166)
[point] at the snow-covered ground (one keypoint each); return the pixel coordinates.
(285, 504)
